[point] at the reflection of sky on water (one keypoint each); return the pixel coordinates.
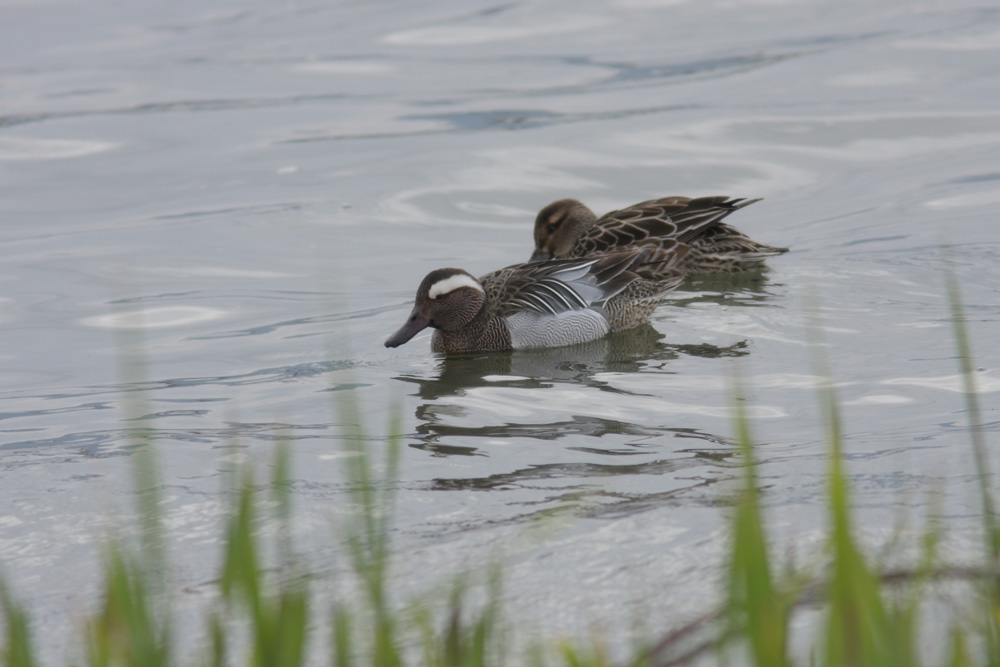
(154, 318)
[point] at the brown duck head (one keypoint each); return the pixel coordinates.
(557, 228)
(447, 299)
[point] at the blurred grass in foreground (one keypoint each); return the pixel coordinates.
(264, 617)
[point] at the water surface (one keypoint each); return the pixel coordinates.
(246, 195)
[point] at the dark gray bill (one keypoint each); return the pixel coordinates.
(415, 323)
(539, 255)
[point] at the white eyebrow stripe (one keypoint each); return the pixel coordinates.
(452, 283)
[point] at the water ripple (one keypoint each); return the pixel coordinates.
(22, 148)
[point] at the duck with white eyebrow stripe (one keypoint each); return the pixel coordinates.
(540, 304)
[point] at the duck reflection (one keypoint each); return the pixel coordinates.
(578, 365)
(624, 352)
(746, 289)
(582, 471)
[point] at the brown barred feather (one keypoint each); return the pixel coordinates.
(567, 228)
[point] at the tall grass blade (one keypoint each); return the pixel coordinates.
(278, 621)
(18, 650)
(991, 524)
(858, 630)
(133, 374)
(369, 529)
(343, 646)
(965, 359)
(126, 631)
(959, 656)
(217, 641)
(133, 626)
(758, 611)
(241, 563)
(465, 639)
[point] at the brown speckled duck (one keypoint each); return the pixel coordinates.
(566, 228)
(541, 304)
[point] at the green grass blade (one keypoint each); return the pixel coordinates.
(18, 650)
(758, 610)
(343, 644)
(858, 630)
(965, 359)
(240, 572)
(991, 524)
(126, 631)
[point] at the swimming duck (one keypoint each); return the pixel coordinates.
(540, 304)
(567, 228)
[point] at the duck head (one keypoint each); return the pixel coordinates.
(557, 228)
(447, 299)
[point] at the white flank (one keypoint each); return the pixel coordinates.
(529, 329)
(452, 283)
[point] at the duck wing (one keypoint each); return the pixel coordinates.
(558, 286)
(724, 240)
(664, 223)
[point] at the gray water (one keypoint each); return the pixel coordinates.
(244, 196)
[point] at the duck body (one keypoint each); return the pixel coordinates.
(567, 228)
(540, 304)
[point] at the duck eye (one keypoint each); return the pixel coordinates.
(552, 226)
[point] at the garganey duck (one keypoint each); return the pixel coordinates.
(541, 304)
(566, 229)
